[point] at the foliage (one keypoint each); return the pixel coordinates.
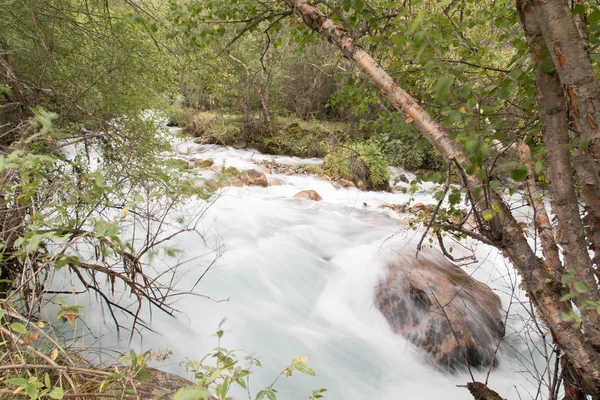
(215, 379)
(89, 62)
(402, 145)
(363, 164)
(53, 203)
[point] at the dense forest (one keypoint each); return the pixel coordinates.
(130, 128)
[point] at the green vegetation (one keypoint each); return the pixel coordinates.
(86, 86)
(218, 371)
(362, 164)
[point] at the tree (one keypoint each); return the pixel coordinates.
(495, 222)
(81, 76)
(455, 58)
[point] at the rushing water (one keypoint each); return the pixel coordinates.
(297, 277)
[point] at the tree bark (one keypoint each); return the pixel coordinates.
(541, 220)
(504, 230)
(556, 25)
(566, 38)
(555, 131)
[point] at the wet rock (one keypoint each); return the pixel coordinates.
(206, 163)
(401, 178)
(419, 207)
(345, 183)
(399, 208)
(253, 177)
(207, 139)
(362, 186)
(442, 310)
(264, 170)
(274, 182)
(239, 144)
(308, 195)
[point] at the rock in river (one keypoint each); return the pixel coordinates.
(441, 309)
(308, 195)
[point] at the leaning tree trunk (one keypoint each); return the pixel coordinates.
(503, 230)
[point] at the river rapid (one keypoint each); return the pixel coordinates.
(297, 277)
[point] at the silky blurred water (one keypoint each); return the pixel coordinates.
(297, 277)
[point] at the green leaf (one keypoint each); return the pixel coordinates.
(305, 369)
(212, 377)
(18, 327)
(144, 375)
(568, 296)
(271, 395)
(32, 391)
(578, 9)
(504, 93)
(593, 18)
(454, 197)
(56, 393)
(240, 381)
(191, 393)
(519, 174)
(105, 383)
(222, 389)
(442, 86)
(487, 215)
(261, 395)
(580, 287)
(17, 381)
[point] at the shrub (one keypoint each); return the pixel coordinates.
(402, 144)
(362, 163)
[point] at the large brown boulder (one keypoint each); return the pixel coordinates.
(308, 195)
(438, 307)
(345, 183)
(254, 177)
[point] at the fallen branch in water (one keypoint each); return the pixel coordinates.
(481, 391)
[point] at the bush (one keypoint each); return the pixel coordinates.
(362, 163)
(402, 144)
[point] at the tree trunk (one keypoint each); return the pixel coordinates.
(555, 130)
(503, 229)
(557, 25)
(566, 38)
(263, 94)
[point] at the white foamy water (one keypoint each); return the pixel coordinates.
(298, 277)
